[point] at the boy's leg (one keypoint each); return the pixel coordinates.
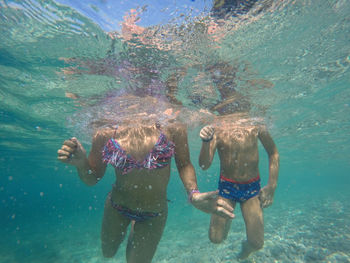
(219, 227)
(254, 222)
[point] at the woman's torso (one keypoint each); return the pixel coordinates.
(140, 188)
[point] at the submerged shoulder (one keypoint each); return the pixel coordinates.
(262, 129)
(102, 135)
(177, 127)
(177, 130)
(221, 132)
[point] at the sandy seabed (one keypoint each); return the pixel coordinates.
(295, 231)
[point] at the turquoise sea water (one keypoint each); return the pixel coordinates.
(301, 47)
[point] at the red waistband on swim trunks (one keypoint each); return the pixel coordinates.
(237, 182)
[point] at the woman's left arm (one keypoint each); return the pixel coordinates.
(182, 158)
(206, 202)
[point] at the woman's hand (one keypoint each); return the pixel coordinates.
(210, 203)
(72, 152)
(207, 133)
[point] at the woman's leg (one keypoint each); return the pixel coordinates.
(114, 228)
(144, 239)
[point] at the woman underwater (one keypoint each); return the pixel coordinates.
(140, 149)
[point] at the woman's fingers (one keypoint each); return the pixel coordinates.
(209, 203)
(61, 152)
(224, 212)
(71, 143)
(67, 148)
(65, 153)
(224, 204)
(63, 158)
(224, 208)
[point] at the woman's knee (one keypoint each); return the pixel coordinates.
(109, 247)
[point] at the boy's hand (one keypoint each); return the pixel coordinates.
(266, 196)
(207, 133)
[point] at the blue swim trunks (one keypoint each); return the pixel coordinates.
(238, 191)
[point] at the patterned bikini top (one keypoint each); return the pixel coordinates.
(158, 157)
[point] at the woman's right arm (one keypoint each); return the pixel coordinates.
(90, 169)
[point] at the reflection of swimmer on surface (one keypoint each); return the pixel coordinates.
(131, 66)
(175, 36)
(235, 136)
(223, 10)
(219, 82)
(135, 35)
(140, 80)
(140, 149)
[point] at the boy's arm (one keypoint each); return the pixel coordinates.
(208, 148)
(266, 195)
